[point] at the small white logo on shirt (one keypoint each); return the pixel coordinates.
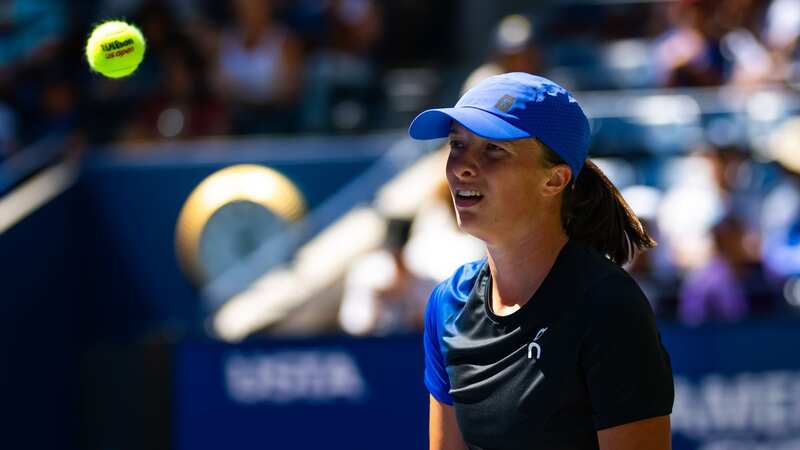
(535, 346)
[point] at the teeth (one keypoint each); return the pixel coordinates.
(469, 193)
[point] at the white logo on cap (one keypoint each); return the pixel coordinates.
(505, 103)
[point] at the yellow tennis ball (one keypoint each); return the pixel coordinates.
(115, 49)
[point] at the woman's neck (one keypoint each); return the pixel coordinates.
(518, 268)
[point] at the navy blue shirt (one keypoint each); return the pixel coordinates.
(583, 354)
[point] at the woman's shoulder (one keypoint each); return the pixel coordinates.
(453, 292)
(608, 288)
(617, 297)
(463, 279)
(589, 267)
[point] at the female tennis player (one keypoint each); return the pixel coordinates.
(546, 343)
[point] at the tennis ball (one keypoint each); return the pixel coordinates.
(115, 49)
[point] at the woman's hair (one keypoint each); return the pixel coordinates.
(594, 212)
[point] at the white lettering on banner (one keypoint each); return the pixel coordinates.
(297, 376)
(761, 407)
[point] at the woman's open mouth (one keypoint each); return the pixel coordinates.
(466, 199)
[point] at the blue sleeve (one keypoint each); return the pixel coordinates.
(436, 379)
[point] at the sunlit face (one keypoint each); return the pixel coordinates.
(499, 188)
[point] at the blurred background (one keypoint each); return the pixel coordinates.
(233, 247)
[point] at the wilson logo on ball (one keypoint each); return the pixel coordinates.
(115, 45)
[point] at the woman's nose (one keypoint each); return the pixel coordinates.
(462, 165)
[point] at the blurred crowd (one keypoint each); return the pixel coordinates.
(726, 215)
(726, 212)
(281, 66)
(211, 68)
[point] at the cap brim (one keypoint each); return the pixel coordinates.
(435, 123)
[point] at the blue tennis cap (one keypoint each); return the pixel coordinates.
(513, 106)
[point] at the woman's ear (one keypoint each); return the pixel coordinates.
(558, 179)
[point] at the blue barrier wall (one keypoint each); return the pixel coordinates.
(738, 388)
(336, 393)
(40, 326)
(95, 268)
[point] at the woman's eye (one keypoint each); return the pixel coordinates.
(494, 149)
(456, 144)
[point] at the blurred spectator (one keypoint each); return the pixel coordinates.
(781, 211)
(731, 286)
(355, 25)
(381, 295)
(513, 50)
(751, 62)
(688, 54)
(710, 43)
(259, 68)
(32, 31)
(738, 184)
(781, 33)
(185, 107)
(782, 25)
(750, 41)
(341, 76)
(689, 208)
(657, 279)
(58, 104)
(762, 46)
(34, 85)
(653, 270)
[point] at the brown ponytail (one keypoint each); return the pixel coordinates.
(594, 212)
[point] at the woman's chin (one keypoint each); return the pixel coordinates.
(469, 223)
